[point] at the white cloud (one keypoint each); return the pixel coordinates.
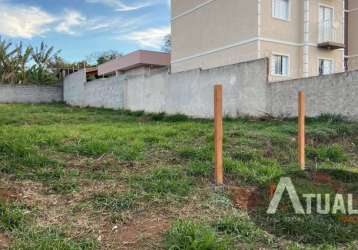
(71, 20)
(150, 38)
(23, 21)
(119, 5)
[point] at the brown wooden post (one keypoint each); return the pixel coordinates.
(301, 130)
(218, 113)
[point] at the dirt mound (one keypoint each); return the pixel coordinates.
(324, 178)
(246, 197)
(140, 233)
(4, 241)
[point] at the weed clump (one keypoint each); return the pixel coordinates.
(115, 202)
(163, 182)
(187, 235)
(11, 217)
(49, 238)
(333, 153)
(242, 229)
(200, 169)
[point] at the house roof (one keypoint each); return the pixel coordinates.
(134, 60)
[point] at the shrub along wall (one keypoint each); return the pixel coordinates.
(15, 93)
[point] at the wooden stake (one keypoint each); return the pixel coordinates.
(218, 113)
(301, 130)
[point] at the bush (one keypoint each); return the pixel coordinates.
(331, 118)
(176, 118)
(157, 117)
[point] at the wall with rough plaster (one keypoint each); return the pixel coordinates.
(246, 92)
(15, 93)
(333, 94)
(102, 93)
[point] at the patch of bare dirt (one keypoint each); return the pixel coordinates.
(91, 163)
(8, 192)
(108, 162)
(323, 178)
(141, 232)
(246, 197)
(4, 241)
(7, 195)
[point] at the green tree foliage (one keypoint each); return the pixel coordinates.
(21, 64)
(167, 46)
(103, 57)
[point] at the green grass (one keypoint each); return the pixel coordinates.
(186, 235)
(242, 229)
(163, 182)
(333, 153)
(115, 202)
(11, 217)
(49, 238)
(163, 166)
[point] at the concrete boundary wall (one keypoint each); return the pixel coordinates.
(246, 92)
(103, 93)
(15, 93)
(332, 94)
(189, 93)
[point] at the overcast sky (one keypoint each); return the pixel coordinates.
(82, 27)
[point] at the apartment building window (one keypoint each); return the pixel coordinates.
(325, 67)
(325, 23)
(280, 65)
(281, 9)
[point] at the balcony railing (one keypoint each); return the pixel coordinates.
(330, 37)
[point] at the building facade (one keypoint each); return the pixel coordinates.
(352, 34)
(301, 37)
(136, 63)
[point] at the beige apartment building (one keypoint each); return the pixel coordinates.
(300, 37)
(352, 34)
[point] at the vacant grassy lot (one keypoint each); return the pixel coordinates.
(98, 179)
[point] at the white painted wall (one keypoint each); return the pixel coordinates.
(191, 92)
(103, 93)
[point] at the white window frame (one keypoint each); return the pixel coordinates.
(273, 72)
(327, 59)
(319, 14)
(280, 18)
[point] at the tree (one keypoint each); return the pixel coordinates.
(23, 56)
(167, 47)
(103, 57)
(15, 63)
(58, 64)
(44, 55)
